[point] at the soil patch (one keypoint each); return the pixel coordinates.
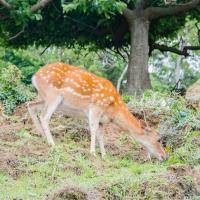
(8, 137)
(76, 193)
(9, 163)
(179, 172)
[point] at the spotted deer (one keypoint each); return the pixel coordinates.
(80, 93)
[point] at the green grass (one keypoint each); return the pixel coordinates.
(68, 163)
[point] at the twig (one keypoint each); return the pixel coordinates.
(45, 50)
(17, 35)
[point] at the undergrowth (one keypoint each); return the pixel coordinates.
(12, 91)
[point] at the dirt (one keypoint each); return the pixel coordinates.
(183, 171)
(9, 163)
(76, 193)
(10, 156)
(8, 137)
(70, 193)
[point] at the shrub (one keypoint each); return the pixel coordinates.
(12, 90)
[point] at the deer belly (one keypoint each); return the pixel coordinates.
(71, 112)
(73, 108)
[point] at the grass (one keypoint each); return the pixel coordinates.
(30, 170)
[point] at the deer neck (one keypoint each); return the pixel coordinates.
(130, 125)
(127, 121)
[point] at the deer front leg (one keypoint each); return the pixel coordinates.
(94, 118)
(100, 138)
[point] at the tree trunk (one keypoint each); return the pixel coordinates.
(138, 76)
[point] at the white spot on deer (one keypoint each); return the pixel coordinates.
(76, 84)
(111, 98)
(68, 89)
(101, 86)
(97, 90)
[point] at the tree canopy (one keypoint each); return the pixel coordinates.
(66, 23)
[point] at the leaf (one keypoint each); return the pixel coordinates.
(69, 7)
(38, 17)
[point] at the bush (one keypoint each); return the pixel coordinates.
(12, 90)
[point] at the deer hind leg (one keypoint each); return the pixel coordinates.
(33, 109)
(94, 119)
(49, 109)
(100, 139)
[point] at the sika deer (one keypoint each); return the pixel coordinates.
(81, 93)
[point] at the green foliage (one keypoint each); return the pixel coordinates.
(127, 98)
(71, 22)
(28, 61)
(103, 7)
(12, 90)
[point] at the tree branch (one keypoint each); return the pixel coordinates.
(157, 12)
(193, 48)
(183, 52)
(17, 35)
(40, 4)
(5, 4)
(164, 48)
(128, 14)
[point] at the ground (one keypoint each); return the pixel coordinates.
(31, 170)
